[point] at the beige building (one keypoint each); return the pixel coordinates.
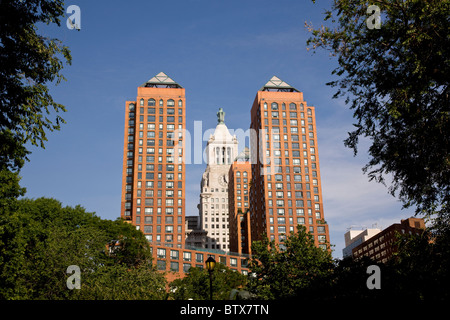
(353, 238)
(221, 150)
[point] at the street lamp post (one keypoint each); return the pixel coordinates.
(210, 264)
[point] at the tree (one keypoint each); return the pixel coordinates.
(420, 266)
(28, 61)
(290, 269)
(395, 78)
(41, 239)
(195, 285)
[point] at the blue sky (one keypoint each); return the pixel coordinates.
(221, 52)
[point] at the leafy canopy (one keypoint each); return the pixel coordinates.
(289, 269)
(195, 285)
(28, 61)
(395, 78)
(40, 239)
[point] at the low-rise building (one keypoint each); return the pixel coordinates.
(381, 246)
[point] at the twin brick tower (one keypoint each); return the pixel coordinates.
(266, 190)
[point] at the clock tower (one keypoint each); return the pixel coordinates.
(221, 150)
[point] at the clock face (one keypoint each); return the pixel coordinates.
(223, 180)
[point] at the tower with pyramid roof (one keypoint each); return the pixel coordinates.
(154, 175)
(286, 177)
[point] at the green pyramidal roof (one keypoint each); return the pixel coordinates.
(276, 84)
(161, 80)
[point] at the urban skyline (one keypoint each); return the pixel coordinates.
(221, 65)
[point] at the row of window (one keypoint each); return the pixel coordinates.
(284, 114)
(169, 202)
(238, 173)
(151, 167)
(299, 220)
(159, 184)
(223, 155)
(160, 119)
(151, 175)
(205, 213)
(152, 134)
(293, 130)
(217, 226)
(168, 229)
(168, 111)
(217, 219)
(214, 190)
(148, 211)
(168, 238)
(174, 265)
(292, 137)
(276, 122)
(152, 126)
(161, 253)
(282, 229)
(292, 107)
(152, 102)
(217, 246)
(298, 203)
(158, 219)
(151, 202)
(159, 167)
(298, 211)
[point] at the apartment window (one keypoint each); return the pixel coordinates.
(174, 254)
(161, 265)
(174, 266)
(161, 253)
(151, 102)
